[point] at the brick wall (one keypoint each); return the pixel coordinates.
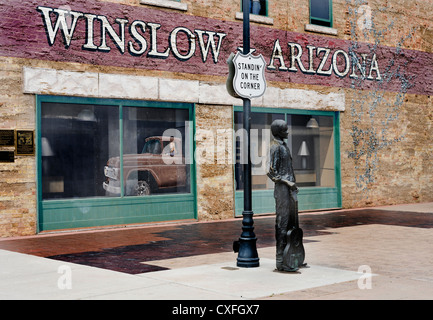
(18, 179)
(386, 163)
(386, 136)
(215, 170)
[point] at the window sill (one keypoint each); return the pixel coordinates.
(321, 29)
(255, 18)
(170, 4)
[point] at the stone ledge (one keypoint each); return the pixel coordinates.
(321, 29)
(170, 4)
(104, 85)
(255, 18)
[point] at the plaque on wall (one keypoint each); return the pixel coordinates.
(7, 138)
(7, 156)
(25, 143)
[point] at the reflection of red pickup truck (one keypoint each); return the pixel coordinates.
(153, 169)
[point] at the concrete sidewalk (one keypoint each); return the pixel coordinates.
(29, 277)
(365, 261)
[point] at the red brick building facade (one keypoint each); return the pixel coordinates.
(91, 84)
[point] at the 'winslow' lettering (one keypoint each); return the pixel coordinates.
(65, 22)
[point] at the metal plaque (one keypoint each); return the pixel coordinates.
(25, 143)
(7, 156)
(7, 138)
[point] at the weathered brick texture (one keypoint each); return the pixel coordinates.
(386, 128)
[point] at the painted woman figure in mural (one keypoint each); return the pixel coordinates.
(172, 147)
(255, 7)
(281, 172)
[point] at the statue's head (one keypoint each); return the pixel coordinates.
(280, 129)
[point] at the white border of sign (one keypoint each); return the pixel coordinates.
(261, 81)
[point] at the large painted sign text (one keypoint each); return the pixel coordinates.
(181, 42)
(65, 22)
(104, 33)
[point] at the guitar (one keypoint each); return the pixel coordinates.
(294, 253)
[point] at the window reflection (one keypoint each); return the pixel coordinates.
(154, 147)
(311, 142)
(77, 141)
(321, 12)
(81, 147)
(312, 147)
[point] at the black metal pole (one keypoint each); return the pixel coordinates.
(246, 30)
(247, 110)
(247, 256)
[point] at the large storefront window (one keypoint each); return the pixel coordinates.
(261, 138)
(154, 151)
(312, 146)
(81, 148)
(76, 142)
(108, 162)
(311, 140)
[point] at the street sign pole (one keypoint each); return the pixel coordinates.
(247, 254)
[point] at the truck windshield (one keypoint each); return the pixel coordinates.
(152, 146)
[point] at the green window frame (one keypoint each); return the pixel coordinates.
(310, 198)
(55, 214)
(318, 14)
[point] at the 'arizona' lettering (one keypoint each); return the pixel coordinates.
(322, 61)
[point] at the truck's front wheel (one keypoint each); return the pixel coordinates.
(142, 188)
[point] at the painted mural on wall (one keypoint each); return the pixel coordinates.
(104, 33)
(373, 112)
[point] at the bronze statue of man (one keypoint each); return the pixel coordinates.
(285, 193)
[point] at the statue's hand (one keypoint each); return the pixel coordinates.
(273, 177)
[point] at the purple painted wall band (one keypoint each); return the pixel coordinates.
(109, 34)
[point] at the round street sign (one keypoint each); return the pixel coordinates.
(249, 80)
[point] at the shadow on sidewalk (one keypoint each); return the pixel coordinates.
(132, 250)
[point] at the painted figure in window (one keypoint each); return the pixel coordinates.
(172, 146)
(258, 7)
(285, 192)
(255, 7)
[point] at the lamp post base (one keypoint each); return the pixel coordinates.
(246, 245)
